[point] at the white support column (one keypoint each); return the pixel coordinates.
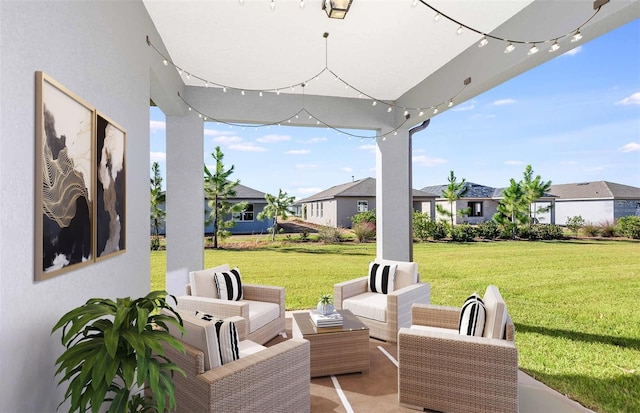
(185, 200)
(394, 197)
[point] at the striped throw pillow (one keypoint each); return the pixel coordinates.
(381, 278)
(229, 284)
(227, 336)
(472, 316)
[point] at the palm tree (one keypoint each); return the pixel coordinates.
(454, 191)
(157, 198)
(533, 189)
(277, 206)
(218, 189)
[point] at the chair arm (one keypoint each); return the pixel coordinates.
(265, 293)
(430, 361)
(435, 316)
(214, 306)
(274, 379)
(347, 289)
(399, 304)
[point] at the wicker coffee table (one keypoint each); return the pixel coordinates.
(337, 352)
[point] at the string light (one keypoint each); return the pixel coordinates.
(575, 33)
(273, 5)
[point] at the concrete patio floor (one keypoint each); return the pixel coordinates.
(376, 390)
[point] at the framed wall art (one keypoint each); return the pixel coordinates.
(110, 188)
(64, 179)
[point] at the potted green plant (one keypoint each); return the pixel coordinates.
(114, 349)
(325, 304)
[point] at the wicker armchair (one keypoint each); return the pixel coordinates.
(257, 301)
(395, 311)
(440, 369)
(272, 379)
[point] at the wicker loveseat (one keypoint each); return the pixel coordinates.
(264, 379)
(262, 306)
(384, 314)
(440, 369)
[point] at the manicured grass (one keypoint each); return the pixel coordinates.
(574, 303)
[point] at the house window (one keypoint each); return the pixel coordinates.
(475, 208)
(245, 216)
(362, 206)
(321, 209)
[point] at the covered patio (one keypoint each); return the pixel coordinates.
(388, 67)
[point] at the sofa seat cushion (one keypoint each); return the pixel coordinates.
(249, 347)
(202, 283)
(261, 313)
(496, 313)
(368, 305)
(406, 272)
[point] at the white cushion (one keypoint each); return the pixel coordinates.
(261, 313)
(381, 278)
(472, 317)
(368, 305)
(202, 284)
(496, 313)
(406, 272)
(201, 334)
(229, 284)
(249, 347)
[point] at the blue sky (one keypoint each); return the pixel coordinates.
(575, 118)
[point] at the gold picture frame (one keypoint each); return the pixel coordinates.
(64, 179)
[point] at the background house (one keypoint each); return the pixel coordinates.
(596, 202)
(247, 222)
(335, 206)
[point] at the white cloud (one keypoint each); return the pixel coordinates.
(157, 125)
(594, 169)
(634, 99)
(368, 148)
(573, 52)
(273, 138)
(346, 169)
(314, 140)
(306, 165)
(298, 152)
(157, 156)
(513, 163)
(308, 190)
(226, 139)
(502, 102)
(481, 116)
(630, 147)
(470, 106)
(216, 132)
(247, 147)
(423, 160)
(569, 163)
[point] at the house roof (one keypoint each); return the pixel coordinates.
(473, 190)
(595, 190)
(244, 192)
(361, 188)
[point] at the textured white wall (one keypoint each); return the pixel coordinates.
(98, 51)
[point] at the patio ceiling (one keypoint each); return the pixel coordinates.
(392, 51)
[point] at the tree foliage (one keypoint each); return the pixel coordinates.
(218, 188)
(454, 191)
(277, 207)
(157, 199)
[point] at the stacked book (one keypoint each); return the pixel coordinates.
(331, 321)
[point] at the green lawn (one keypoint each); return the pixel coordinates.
(574, 303)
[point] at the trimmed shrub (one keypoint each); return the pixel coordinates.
(548, 231)
(575, 223)
(369, 216)
(439, 230)
(422, 226)
(629, 227)
(607, 229)
(591, 230)
(463, 233)
(329, 235)
(364, 231)
(487, 230)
